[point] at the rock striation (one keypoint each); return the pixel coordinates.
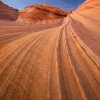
(90, 9)
(40, 14)
(57, 61)
(7, 12)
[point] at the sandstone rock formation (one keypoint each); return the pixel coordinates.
(7, 12)
(40, 14)
(57, 61)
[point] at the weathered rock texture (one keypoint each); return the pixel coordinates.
(7, 12)
(40, 14)
(59, 62)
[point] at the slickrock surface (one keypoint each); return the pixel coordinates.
(7, 12)
(41, 14)
(58, 61)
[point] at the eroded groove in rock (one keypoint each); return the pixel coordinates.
(56, 58)
(84, 69)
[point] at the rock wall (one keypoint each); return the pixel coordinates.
(7, 12)
(40, 14)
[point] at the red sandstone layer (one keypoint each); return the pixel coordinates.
(57, 61)
(40, 14)
(7, 12)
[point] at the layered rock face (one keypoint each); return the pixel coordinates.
(7, 12)
(40, 14)
(57, 61)
(91, 9)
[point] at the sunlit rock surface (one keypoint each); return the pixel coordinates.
(56, 61)
(41, 14)
(7, 12)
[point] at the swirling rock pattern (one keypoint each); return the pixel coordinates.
(41, 14)
(7, 12)
(61, 61)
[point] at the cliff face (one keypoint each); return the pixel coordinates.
(7, 12)
(40, 14)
